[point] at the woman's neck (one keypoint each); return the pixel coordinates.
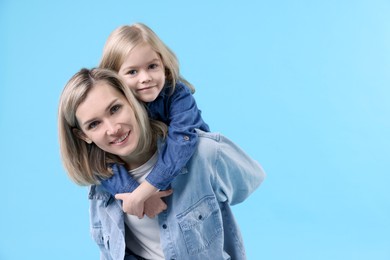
(133, 162)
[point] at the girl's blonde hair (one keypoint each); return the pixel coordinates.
(125, 38)
(86, 163)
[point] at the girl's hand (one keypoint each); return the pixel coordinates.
(131, 205)
(155, 205)
(152, 206)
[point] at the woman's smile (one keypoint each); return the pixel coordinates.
(111, 125)
(121, 140)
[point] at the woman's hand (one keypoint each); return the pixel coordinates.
(155, 205)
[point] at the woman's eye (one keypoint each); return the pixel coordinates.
(115, 108)
(132, 72)
(93, 125)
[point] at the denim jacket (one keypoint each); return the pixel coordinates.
(198, 223)
(180, 112)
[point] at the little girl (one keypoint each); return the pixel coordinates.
(151, 70)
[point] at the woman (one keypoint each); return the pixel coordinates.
(104, 130)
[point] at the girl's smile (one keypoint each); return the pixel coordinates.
(143, 72)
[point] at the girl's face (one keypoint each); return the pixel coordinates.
(107, 119)
(143, 72)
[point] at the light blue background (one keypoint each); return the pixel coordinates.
(302, 86)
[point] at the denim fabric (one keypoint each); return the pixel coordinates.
(107, 223)
(180, 112)
(198, 223)
(121, 181)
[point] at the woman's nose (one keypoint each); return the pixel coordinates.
(113, 129)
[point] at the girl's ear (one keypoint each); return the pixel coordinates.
(80, 134)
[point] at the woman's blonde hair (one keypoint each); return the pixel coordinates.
(86, 163)
(125, 38)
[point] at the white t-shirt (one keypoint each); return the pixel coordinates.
(144, 239)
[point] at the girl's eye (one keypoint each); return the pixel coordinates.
(115, 109)
(153, 66)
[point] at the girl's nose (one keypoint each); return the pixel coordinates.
(145, 77)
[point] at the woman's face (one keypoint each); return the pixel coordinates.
(107, 119)
(143, 72)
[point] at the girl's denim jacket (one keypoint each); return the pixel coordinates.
(179, 111)
(198, 223)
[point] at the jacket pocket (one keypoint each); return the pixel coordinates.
(201, 225)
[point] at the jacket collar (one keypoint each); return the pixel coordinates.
(97, 192)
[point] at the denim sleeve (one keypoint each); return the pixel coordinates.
(237, 175)
(184, 117)
(120, 182)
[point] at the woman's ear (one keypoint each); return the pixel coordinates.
(80, 134)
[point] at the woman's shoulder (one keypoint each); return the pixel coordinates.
(216, 145)
(209, 136)
(208, 143)
(98, 192)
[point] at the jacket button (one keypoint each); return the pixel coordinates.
(186, 138)
(164, 226)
